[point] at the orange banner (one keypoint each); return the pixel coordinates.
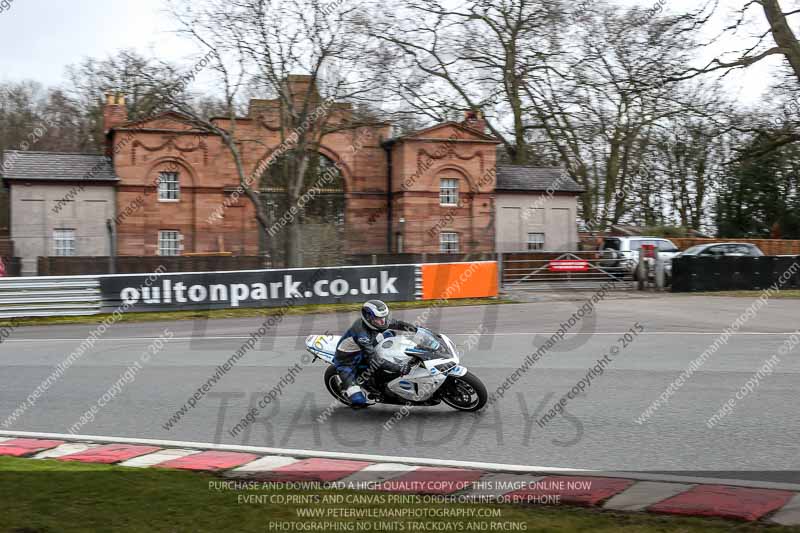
(459, 280)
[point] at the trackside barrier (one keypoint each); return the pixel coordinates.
(50, 296)
(459, 280)
(258, 288)
(173, 291)
(694, 273)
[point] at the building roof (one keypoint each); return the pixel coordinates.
(420, 134)
(56, 166)
(528, 178)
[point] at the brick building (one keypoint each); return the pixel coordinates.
(60, 204)
(431, 191)
(398, 192)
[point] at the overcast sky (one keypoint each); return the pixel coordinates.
(39, 38)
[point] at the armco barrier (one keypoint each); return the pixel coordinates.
(694, 273)
(52, 296)
(86, 295)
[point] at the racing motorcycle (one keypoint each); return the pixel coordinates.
(435, 376)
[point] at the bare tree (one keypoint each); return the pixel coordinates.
(687, 162)
(578, 84)
(126, 72)
(262, 46)
(600, 106)
(476, 56)
(777, 38)
(774, 37)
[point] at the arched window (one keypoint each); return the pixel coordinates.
(319, 207)
(448, 190)
(169, 189)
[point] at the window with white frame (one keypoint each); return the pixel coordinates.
(169, 242)
(448, 191)
(448, 242)
(63, 242)
(535, 241)
(168, 187)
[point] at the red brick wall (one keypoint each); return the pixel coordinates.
(206, 169)
(419, 163)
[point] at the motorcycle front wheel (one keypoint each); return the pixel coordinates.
(465, 393)
(333, 384)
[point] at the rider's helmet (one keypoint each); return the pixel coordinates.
(376, 315)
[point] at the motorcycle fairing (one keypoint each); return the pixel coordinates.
(323, 346)
(418, 385)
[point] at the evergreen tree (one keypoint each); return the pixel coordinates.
(761, 198)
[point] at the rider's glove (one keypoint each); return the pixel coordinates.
(405, 368)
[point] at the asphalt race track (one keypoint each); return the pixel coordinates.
(597, 431)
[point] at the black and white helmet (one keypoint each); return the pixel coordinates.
(376, 315)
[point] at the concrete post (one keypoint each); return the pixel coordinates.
(641, 272)
(659, 271)
(112, 248)
(499, 272)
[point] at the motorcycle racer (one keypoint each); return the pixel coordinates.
(355, 350)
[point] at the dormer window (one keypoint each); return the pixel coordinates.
(448, 191)
(169, 188)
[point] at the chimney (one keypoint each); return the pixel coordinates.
(114, 111)
(474, 119)
(297, 86)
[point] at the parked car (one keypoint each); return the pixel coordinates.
(736, 249)
(717, 249)
(623, 252)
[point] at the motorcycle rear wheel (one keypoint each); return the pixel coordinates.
(332, 384)
(465, 393)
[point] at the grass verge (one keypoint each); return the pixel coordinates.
(238, 313)
(50, 496)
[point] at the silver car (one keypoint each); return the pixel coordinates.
(623, 252)
(718, 249)
(727, 249)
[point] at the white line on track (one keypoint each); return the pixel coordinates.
(501, 334)
(488, 467)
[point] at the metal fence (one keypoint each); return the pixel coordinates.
(576, 270)
(51, 296)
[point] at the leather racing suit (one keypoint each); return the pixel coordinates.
(354, 355)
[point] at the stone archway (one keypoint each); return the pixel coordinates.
(317, 223)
